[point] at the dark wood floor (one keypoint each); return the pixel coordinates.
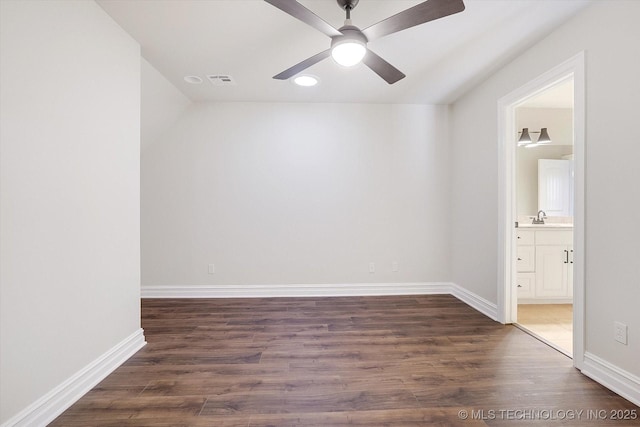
(356, 361)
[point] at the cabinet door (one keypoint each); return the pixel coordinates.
(551, 271)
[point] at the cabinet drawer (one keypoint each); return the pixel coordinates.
(556, 237)
(526, 261)
(525, 237)
(526, 283)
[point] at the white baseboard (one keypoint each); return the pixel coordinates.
(612, 377)
(55, 402)
(295, 290)
(324, 290)
(484, 306)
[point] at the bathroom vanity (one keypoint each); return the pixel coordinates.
(545, 263)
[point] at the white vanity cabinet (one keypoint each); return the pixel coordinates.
(545, 265)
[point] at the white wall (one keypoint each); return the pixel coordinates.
(297, 194)
(69, 199)
(161, 104)
(609, 34)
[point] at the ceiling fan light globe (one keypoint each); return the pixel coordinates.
(349, 52)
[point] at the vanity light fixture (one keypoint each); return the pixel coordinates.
(525, 138)
(544, 137)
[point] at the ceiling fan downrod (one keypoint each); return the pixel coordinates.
(348, 6)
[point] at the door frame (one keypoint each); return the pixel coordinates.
(507, 296)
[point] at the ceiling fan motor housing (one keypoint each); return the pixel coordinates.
(348, 4)
(349, 33)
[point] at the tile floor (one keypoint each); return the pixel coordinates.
(552, 322)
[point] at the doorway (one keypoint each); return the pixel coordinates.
(538, 277)
(544, 215)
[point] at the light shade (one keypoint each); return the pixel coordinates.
(525, 138)
(348, 52)
(544, 137)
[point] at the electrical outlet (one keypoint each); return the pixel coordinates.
(620, 332)
(212, 268)
(372, 267)
(394, 266)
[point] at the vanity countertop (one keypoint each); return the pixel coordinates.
(546, 226)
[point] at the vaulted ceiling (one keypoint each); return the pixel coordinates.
(252, 41)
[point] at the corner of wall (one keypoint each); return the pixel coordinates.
(614, 378)
(55, 402)
(161, 104)
(484, 306)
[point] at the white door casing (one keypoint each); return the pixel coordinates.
(507, 300)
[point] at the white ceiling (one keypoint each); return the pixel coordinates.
(252, 41)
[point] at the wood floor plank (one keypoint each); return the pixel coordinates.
(347, 361)
(447, 417)
(319, 400)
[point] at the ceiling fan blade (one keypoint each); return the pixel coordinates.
(295, 9)
(290, 72)
(388, 72)
(419, 14)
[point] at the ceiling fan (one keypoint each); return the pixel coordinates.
(349, 43)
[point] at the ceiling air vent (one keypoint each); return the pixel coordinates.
(221, 80)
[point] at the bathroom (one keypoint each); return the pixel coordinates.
(544, 206)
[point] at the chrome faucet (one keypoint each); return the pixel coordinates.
(540, 219)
